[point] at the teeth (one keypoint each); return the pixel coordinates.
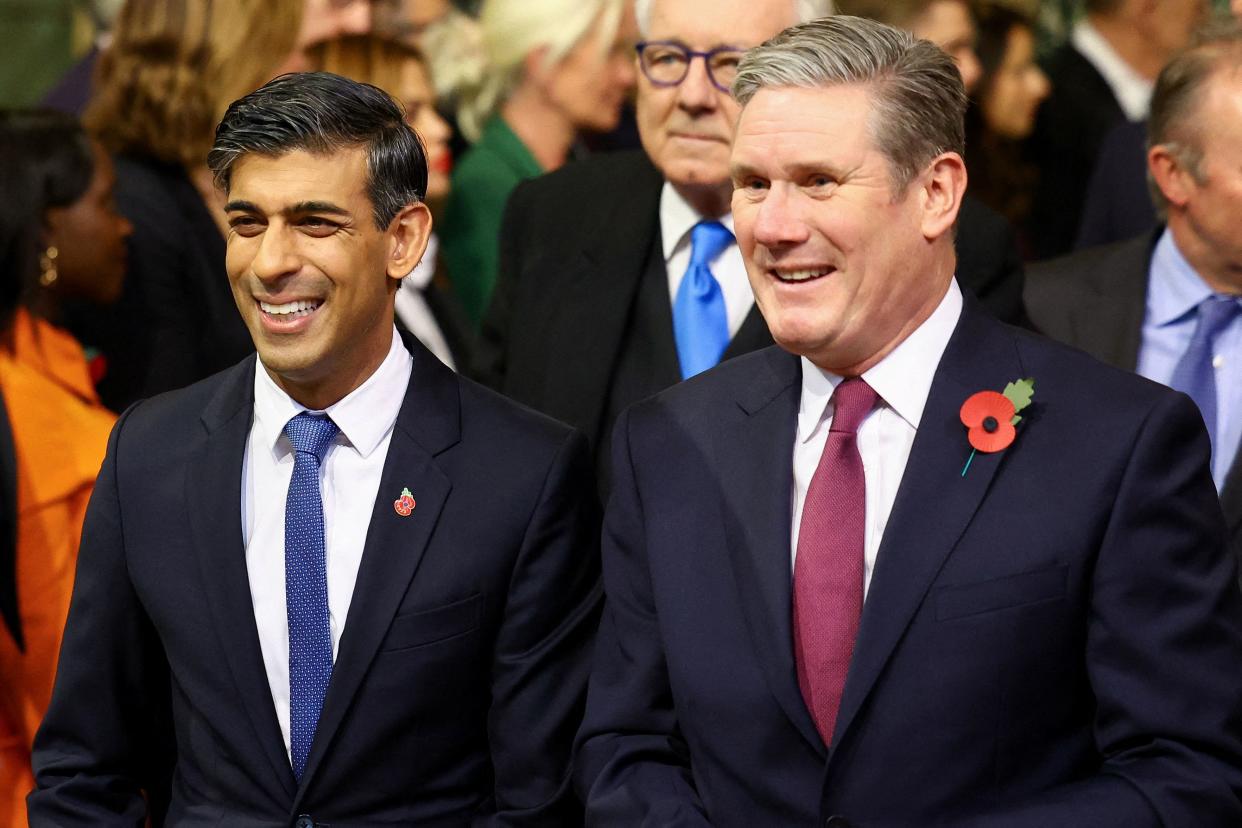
(800, 275)
(301, 307)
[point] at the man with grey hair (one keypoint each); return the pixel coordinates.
(619, 275)
(1153, 303)
(848, 583)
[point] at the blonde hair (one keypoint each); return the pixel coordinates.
(512, 29)
(175, 65)
(367, 58)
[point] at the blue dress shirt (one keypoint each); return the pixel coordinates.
(1174, 291)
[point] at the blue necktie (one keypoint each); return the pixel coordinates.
(1195, 373)
(306, 585)
(700, 322)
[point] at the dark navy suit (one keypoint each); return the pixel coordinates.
(1052, 639)
(461, 669)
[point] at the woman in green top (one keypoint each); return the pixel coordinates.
(555, 67)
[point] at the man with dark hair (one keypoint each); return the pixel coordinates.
(848, 583)
(1168, 304)
(1102, 77)
(351, 587)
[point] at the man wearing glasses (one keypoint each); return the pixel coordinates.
(619, 275)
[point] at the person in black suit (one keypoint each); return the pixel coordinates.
(594, 255)
(1139, 304)
(582, 323)
(353, 588)
(843, 587)
(1101, 77)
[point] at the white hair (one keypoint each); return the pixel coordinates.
(512, 29)
(807, 10)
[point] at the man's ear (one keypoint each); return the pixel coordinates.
(1170, 174)
(408, 233)
(942, 188)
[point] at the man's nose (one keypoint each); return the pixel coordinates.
(276, 256)
(696, 93)
(778, 223)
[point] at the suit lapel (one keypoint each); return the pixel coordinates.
(1111, 326)
(980, 355)
(755, 450)
(213, 498)
(429, 422)
(752, 336)
(597, 305)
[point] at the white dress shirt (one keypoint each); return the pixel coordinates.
(1132, 90)
(349, 482)
(902, 380)
(677, 219)
(413, 310)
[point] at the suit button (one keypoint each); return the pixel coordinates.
(837, 822)
(304, 821)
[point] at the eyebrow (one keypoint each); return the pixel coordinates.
(677, 41)
(301, 208)
(796, 170)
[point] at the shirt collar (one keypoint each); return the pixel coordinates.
(902, 379)
(1132, 90)
(677, 219)
(364, 416)
(1174, 288)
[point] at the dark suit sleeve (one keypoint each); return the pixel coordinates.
(633, 766)
(492, 346)
(101, 744)
(543, 649)
(1164, 640)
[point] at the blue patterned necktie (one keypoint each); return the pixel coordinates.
(1195, 374)
(700, 322)
(306, 585)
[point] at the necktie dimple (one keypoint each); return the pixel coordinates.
(306, 585)
(1195, 374)
(700, 321)
(828, 570)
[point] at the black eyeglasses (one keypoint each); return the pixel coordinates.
(666, 63)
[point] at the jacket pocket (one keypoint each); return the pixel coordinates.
(961, 600)
(420, 627)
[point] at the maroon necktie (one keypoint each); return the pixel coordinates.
(828, 570)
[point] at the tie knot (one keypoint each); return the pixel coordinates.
(311, 434)
(1216, 312)
(708, 239)
(852, 401)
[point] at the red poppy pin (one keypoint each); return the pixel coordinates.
(991, 417)
(404, 505)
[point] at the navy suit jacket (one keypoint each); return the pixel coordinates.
(1051, 639)
(461, 670)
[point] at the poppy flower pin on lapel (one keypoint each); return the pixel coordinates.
(991, 417)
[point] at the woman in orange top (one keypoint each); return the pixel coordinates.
(59, 238)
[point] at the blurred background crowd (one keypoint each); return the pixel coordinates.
(112, 242)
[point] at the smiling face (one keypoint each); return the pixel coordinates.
(842, 267)
(686, 129)
(313, 277)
